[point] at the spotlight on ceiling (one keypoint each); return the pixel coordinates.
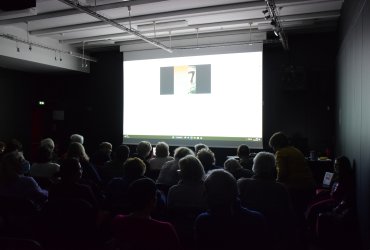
(265, 12)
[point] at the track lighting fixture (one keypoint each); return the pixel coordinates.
(265, 12)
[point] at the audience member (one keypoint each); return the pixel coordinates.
(138, 230)
(293, 172)
(14, 184)
(116, 191)
(89, 174)
(16, 146)
(168, 176)
(69, 186)
(245, 158)
(199, 146)
(43, 167)
(342, 192)
(208, 159)
(190, 191)
(103, 154)
(77, 138)
(262, 193)
(233, 166)
(228, 225)
(48, 143)
(162, 156)
(114, 168)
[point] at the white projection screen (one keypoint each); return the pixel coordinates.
(190, 96)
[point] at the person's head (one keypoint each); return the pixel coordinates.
(10, 166)
(278, 140)
(77, 150)
(77, 138)
(199, 146)
(342, 167)
(44, 154)
(232, 165)
(142, 195)
(143, 149)
(48, 143)
(122, 153)
(191, 169)
(162, 150)
(243, 151)
(264, 166)
(221, 189)
(134, 168)
(181, 152)
(206, 157)
(106, 147)
(70, 170)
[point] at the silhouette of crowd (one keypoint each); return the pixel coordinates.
(140, 199)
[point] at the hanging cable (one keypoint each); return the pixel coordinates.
(129, 16)
(197, 38)
(155, 35)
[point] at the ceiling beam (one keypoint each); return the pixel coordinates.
(69, 12)
(287, 18)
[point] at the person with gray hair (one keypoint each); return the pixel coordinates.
(233, 166)
(190, 191)
(77, 138)
(48, 143)
(264, 194)
(161, 156)
(228, 225)
(168, 176)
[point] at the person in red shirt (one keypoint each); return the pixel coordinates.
(138, 230)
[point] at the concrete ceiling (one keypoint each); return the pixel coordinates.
(175, 18)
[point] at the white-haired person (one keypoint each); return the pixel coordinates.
(144, 152)
(169, 176)
(262, 193)
(226, 224)
(161, 156)
(76, 138)
(233, 166)
(190, 191)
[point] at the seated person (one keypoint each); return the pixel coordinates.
(199, 146)
(103, 154)
(190, 191)
(168, 176)
(262, 193)
(227, 225)
(138, 230)
(89, 174)
(14, 184)
(233, 166)
(43, 167)
(245, 159)
(144, 152)
(116, 191)
(162, 156)
(342, 191)
(69, 186)
(77, 138)
(207, 158)
(114, 168)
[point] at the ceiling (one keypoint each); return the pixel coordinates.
(164, 20)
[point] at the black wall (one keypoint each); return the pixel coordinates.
(352, 112)
(15, 111)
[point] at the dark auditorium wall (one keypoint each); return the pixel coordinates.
(352, 112)
(92, 103)
(15, 111)
(298, 90)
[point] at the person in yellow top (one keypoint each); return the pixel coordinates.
(293, 171)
